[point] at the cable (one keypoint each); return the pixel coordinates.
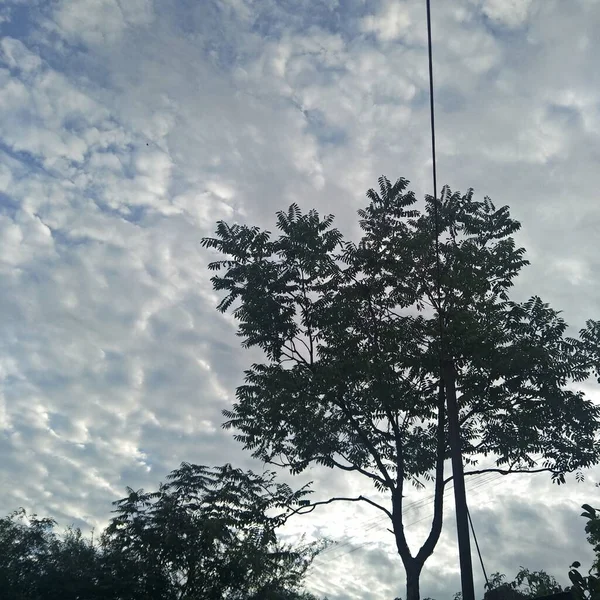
(380, 521)
(487, 583)
(360, 546)
(447, 371)
(375, 523)
(434, 165)
(481, 482)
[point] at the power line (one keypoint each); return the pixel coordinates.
(361, 546)
(478, 550)
(433, 158)
(448, 375)
(481, 482)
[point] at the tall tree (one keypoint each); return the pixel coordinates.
(207, 534)
(351, 335)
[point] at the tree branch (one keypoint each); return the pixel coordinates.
(306, 509)
(504, 472)
(349, 468)
(358, 469)
(295, 350)
(397, 437)
(367, 442)
(307, 319)
(305, 345)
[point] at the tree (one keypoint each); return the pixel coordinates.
(24, 542)
(207, 534)
(355, 337)
(36, 563)
(527, 584)
(500, 589)
(536, 583)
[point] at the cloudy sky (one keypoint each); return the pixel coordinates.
(128, 127)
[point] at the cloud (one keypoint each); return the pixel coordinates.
(390, 23)
(97, 22)
(129, 128)
(508, 13)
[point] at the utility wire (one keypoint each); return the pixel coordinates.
(361, 546)
(434, 164)
(380, 524)
(447, 372)
(487, 583)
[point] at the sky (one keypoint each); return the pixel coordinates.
(129, 127)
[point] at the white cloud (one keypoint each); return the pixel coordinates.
(17, 55)
(392, 22)
(510, 13)
(97, 22)
(129, 129)
(23, 240)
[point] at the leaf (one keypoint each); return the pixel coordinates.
(350, 334)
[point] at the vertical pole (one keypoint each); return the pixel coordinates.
(458, 477)
(449, 377)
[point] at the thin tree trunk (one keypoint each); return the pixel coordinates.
(414, 565)
(413, 574)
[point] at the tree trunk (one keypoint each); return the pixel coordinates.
(412, 583)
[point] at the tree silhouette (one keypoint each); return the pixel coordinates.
(352, 345)
(208, 534)
(526, 585)
(36, 563)
(587, 587)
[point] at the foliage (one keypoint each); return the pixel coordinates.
(352, 337)
(207, 534)
(592, 528)
(587, 587)
(36, 563)
(527, 584)
(536, 583)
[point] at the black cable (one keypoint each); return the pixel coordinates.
(487, 583)
(447, 370)
(482, 481)
(434, 165)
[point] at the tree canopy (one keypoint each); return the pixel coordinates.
(36, 563)
(207, 534)
(526, 585)
(354, 335)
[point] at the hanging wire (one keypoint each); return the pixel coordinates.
(331, 553)
(462, 527)
(436, 216)
(487, 583)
